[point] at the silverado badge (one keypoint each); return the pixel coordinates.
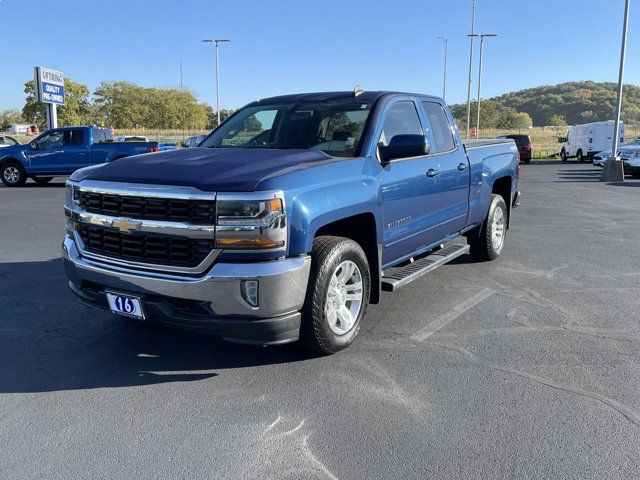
(126, 225)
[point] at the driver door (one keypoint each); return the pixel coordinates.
(46, 152)
(59, 151)
(410, 187)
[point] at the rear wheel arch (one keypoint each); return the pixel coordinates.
(503, 187)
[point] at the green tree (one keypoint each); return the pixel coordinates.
(557, 121)
(75, 111)
(212, 118)
(127, 105)
(10, 116)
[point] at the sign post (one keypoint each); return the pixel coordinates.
(50, 91)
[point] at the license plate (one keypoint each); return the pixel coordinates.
(125, 305)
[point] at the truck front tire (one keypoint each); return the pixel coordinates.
(12, 174)
(337, 295)
(487, 242)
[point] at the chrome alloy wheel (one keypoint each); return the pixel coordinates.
(497, 229)
(344, 297)
(11, 174)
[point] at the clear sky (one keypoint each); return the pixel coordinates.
(289, 46)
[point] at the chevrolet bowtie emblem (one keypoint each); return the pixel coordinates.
(126, 225)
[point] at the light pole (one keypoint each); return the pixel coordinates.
(444, 81)
(613, 168)
(482, 37)
(217, 41)
(473, 31)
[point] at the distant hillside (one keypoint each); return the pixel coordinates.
(576, 102)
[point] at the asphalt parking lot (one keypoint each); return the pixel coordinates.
(527, 367)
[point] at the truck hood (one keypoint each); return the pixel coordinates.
(209, 169)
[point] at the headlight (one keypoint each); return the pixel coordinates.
(251, 223)
(71, 197)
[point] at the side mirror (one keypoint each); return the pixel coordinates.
(404, 146)
(34, 145)
(563, 139)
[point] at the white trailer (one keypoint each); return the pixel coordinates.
(584, 141)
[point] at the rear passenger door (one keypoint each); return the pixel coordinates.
(454, 172)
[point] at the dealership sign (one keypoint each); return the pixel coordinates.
(49, 85)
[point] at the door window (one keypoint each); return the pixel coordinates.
(74, 137)
(402, 119)
(51, 140)
(440, 126)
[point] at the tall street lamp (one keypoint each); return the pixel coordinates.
(444, 81)
(217, 41)
(613, 168)
(482, 37)
(473, 31)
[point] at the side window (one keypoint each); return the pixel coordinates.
(76, 137)
(2, 141)
(52, 139)
(10, 141)
(402, 119)
(440, 126)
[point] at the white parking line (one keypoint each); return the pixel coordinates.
(424, 333)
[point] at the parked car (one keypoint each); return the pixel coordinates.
(523, 142)
(7, 141)
(324, 200)
(61, 151)
(626, 151)
(585, 141)
(193, 141)
(131, 138)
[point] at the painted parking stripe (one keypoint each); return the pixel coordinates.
(444, 320)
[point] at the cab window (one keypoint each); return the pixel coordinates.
(402, 119)
(440, 126)
(51, 140)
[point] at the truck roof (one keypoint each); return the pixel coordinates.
(365, 96)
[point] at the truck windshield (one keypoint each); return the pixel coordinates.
(335, 127)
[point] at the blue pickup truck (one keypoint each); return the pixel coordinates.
(61, 151)
(290, 218)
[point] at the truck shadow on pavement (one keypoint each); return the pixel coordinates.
(579, 175)
(50, 342)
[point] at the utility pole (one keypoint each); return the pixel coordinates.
(444, 81)
(473, 31)
(613, 168)
(217, 41)
(482, 37)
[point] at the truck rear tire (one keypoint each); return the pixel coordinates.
(337, 295)
(12, 174)
(579, 157)
(487, 241)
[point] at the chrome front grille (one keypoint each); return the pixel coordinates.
(145, 227)
(197, 211)
(145, 248)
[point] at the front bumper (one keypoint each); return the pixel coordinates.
(211, 302)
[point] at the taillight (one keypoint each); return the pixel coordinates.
(154, 149)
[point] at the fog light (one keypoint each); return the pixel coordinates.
(249, 289)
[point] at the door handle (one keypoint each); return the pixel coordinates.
(462, 166)
(432, 172)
